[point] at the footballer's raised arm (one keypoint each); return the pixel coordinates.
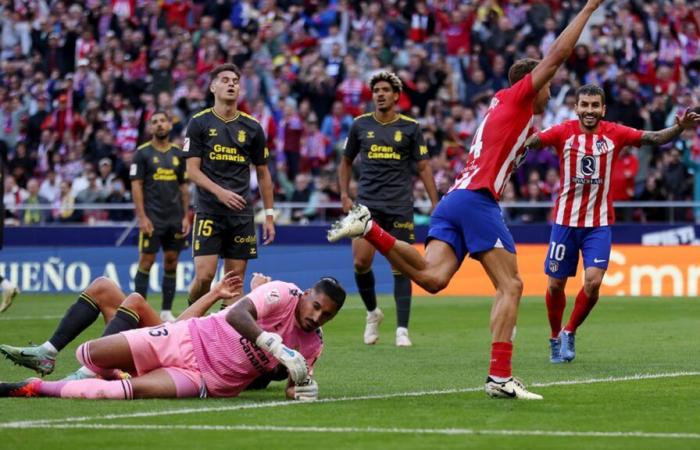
(562, 46)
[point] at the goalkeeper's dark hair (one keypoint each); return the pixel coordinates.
(224, 68)
(389, 77)
(332, 288)
(592, 90)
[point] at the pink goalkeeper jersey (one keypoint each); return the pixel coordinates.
(498, 142)
(229, 362)
(585, 167)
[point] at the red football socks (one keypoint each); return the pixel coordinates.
(555, 311)
(379, 238)
(582, 308)
(501, 355)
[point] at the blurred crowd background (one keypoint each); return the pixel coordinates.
(79, 81)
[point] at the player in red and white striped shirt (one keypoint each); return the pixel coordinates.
(468, 219)
(583, 212)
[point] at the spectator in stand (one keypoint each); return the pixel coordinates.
(64, 206)
(14, 196)
(119, 196)
(622, 181)
(335, 127)
(291, 131)
(314, 147)
(34, 216)
(105, 176)
(50, 188)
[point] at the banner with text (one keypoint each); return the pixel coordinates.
(634, 270)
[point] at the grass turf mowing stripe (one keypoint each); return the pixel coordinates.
(257, 405)
(360, 430)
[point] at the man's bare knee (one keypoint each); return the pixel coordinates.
(134, 301)
(432, 283)
(100, 286)
(513, 288)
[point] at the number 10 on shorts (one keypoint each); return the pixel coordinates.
(557, 252)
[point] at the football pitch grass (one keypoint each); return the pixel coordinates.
(634, 384)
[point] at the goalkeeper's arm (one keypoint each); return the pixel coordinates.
(242, 317)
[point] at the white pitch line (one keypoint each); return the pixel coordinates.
(11, 318)
(375, 430)
(258, 405)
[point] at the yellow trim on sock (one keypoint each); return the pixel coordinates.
(83, 296)
(130, 312)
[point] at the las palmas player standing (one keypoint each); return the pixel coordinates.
(220, 145)
(583, 211)
(468, 219)
(388, 143)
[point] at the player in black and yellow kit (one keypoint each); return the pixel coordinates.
(161, 199)
(390, 146)
(220, 145)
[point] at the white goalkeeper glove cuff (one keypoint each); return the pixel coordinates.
(292, 359)
(306, 391)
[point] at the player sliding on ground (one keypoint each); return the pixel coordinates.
(468, 219)
(583, 212)
(219, 355)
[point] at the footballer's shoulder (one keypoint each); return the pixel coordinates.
(202, 113)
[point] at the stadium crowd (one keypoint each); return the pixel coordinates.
(79, 81)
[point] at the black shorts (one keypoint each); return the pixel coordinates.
(398, 221)
(168, 237)
(231, 237)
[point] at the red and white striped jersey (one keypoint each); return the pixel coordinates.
(585, 167)
(497, 145)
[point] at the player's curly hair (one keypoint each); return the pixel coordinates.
(521, 68)
(389, 77)
(332, 288)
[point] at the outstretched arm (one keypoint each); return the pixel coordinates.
(533, 142)
(661, 137)
(562, 46)
(229, 287)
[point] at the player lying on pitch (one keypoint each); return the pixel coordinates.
(218, 355)
(120, 313)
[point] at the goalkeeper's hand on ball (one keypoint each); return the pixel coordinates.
(292, 359)
(306, 391)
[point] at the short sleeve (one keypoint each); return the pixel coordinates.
(352, 142)
(271, 299)
(419, 151)
(181, 170)
(259, 153)
(194, 142)
(629, 136)
(137, 170)
(551, 136)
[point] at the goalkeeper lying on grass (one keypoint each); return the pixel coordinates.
(218, 355)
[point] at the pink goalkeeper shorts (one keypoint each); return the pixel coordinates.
(167, 346)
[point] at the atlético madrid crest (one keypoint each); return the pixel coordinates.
(553, 266)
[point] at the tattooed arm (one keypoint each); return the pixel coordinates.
(687, 120)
